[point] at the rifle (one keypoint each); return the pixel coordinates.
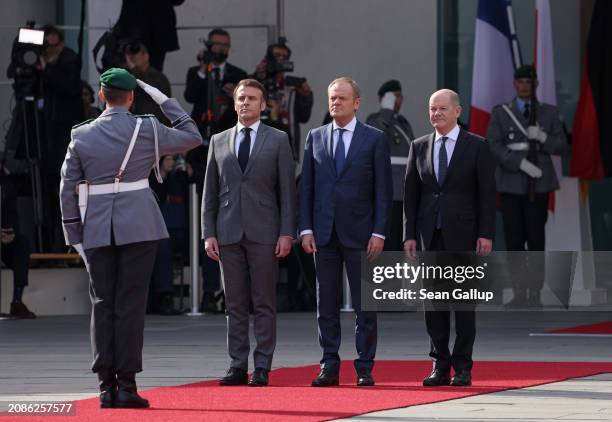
(532, 154)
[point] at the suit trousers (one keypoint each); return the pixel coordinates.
(395, 239)
(119, 277)
(438, 328)
(328, 262)
(249, 272)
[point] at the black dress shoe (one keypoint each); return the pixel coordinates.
(259, 378)
(364, 378)
(127, 396)
(235, 376)
(326, 378)
(437, 378)
(462, 379)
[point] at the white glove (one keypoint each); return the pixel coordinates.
(157, 96)
(79, 248)
(531, 169)
(388, 101)
(536, 132)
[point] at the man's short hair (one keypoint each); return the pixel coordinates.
(135, 47)
(253, 83)
(52, 29)
(218, 31)
(351, 82)
(114, 95)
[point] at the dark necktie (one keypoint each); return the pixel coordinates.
(339, 156)
(442, 170)
(442, 162)
(244, 149)
(217, 75)
(526, 111)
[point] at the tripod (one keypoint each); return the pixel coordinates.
(23, 138)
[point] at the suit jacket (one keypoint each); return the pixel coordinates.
(466, 200)
(259, 204)
(357, 202)
(95, 154)
(503, 131)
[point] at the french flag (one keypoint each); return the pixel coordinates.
(496, 56)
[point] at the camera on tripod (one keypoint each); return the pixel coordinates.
(25, 57)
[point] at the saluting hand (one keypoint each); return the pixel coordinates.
(157, 96)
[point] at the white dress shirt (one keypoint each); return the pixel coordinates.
(240, 135)
(450, 147)
(347, 136)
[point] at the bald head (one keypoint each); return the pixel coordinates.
(449, 94)
(444, 110)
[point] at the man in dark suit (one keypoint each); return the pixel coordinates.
(248, 223)
(449, 204)
(345, 209)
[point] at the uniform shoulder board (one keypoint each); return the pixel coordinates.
(144, 115)
(83, 123)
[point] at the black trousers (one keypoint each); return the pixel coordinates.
(438, 328)
(16, 256)
(524, 223)
(395, 240)
(119, 279)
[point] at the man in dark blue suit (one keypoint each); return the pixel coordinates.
(345, 209)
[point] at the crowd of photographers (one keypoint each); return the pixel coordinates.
(62, 100)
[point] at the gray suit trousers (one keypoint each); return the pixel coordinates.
(250, 272)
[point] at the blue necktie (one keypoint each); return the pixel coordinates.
(442, 162)
(339, 156)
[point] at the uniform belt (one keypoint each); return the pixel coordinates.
(85, 189)
(398, 159)
(123, 187)
(518, 146)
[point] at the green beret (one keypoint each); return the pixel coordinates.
(525, 71)
(118, 78)
(389, 86)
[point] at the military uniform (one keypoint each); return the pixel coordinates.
(524, 218)
(122, 223)
(398, 133)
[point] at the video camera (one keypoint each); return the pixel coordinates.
(25, 56)
(208, 56)
(274, 67)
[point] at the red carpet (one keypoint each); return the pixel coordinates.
(291, 398)
(600, 328)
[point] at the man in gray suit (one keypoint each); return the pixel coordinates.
(115, 223)
(525, 217)
(248, 223)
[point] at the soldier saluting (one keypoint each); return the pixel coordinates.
(110, 216)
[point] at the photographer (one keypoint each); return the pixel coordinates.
(138, 62)
(289, 98)
(213, 61)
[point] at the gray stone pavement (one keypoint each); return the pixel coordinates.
(48, 359)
